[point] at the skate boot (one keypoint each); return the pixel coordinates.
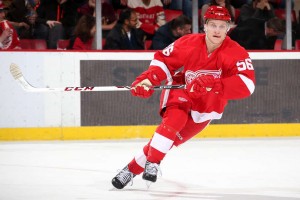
(150, 171)
(122, 178)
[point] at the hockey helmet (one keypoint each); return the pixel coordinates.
(217, 12)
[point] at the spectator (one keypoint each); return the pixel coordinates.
(171, 31)
(37, 19)
(280, 3)
(259, 9)
(238, 3)
(48, 22)
(8, 35)
(84, 33)
(223, 3)
(69, 15)
(187, 6)
(119, 4)
(255, 34)
(173, 5)
(17, 11)
(109, 18)
(125, 35)
(34, 30)
(150, 15)
(16, 14)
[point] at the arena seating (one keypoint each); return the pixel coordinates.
(148, 44)
(278, 44)
(63, 44)
(37, 44)
(280, 13)
(297, 45)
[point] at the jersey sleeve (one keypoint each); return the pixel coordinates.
(167, 61)
(239, 80)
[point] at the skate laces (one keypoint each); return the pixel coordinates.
(153, 169)
(125, 176)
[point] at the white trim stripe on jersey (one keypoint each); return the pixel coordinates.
(165, 98)
(161, 143)
(202, 117)
(140, 159)
(248, 82)
(166, 95)
(163, 67)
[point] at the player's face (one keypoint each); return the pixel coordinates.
(216, 31)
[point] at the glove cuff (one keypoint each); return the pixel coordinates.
(156, 75)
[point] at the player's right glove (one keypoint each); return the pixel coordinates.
(141, 87)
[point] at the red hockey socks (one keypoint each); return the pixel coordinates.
(174, 120)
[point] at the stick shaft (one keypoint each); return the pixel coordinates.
(18, 76)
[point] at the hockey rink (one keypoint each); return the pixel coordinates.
(205, 169)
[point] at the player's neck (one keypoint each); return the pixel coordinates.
(210, 47)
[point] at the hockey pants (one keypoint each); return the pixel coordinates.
(176, 127)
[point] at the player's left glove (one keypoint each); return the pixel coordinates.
(218, 87)
(203, 84)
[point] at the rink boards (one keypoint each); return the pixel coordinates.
(273, 109)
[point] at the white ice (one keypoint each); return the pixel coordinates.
(205, 169)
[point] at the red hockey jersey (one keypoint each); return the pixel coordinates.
(230, 62)
(151, 16)
(12, 42)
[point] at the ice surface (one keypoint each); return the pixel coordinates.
(206, 169)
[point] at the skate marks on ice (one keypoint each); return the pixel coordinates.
(167, 189)
(261, 169)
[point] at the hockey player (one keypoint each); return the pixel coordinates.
(214, 68)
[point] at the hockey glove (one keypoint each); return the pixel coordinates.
(141, 87)
(201, 85)
(218, 87)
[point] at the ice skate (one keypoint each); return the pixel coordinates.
(150, 172)
(123, 178)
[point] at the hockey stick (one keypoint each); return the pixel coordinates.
(18, 76)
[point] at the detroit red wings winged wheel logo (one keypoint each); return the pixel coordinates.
(191, 75)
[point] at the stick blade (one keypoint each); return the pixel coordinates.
(15, 71)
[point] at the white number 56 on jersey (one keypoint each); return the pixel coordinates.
(245, 65)
(167, 51)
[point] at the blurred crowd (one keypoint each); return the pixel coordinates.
(137, 24)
